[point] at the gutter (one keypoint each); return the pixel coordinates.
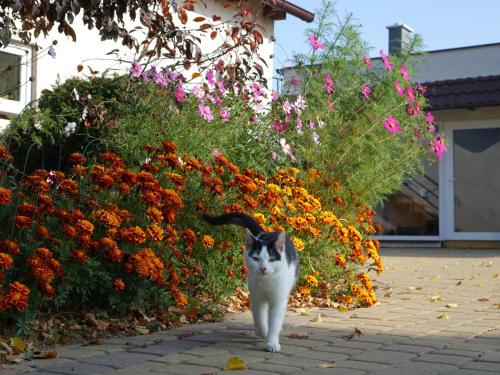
(290, 8)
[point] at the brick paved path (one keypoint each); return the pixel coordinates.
(402, 335)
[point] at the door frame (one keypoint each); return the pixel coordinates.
(447, 188)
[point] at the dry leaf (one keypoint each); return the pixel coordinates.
(435, 277)
(317, 319)
(495, 275)
(451, 305)
(14, 358)
(46, 355)
(185, 335)
(18, 343)
(459, 283)
(306, 313)
(343, 308)
(235, 363)
(483, 299)
(349, 337)
(444, 316)
(94, 341)
(298, 336)
(497, 305)
(419, 288)
(326, 365)
(436, 298)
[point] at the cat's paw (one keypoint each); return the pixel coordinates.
(273, 347)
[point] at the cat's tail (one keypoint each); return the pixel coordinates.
(237, 218)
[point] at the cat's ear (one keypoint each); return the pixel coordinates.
(280, 242)
(249, 239)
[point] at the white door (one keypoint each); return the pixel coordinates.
(470, 181)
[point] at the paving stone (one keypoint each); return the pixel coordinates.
(408, 348)
(184, 369)
(361, 365)
(221, 360)
(174, 358)
(340, 350)
(143, 368)
(383, 356)
(78, 368)
(322, 356)
(205, 351)
(303, 363)
(78, 352)
(461, 353)
(120, 359)
(470, 372)
(441, 358)
(168, 347)
(482, 366)
(333, 371)
(273, 367)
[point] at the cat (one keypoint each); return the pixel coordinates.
(273, 268)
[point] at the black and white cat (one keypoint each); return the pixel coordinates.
(273, 267)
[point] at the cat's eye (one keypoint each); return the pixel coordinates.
(255, 258)
(273, 259)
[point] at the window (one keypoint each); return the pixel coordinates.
(15, 84)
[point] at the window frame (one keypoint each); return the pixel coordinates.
(14, 107)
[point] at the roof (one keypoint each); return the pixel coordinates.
(278, 9)
(464, 93)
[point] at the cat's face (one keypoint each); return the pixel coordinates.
(265, 257)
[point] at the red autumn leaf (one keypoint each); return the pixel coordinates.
(298, 336)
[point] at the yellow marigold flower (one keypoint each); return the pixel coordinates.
(297, 242)
(85, 226)
(291, 207)
(304, 290)
(365, 280)
(208, 241)
(287, 190)
(275, 189)
(294, 171)
(328, 218)
(312, 280)
(154, 215)
(340, 260)
(155, 233)
(276, 211)
(261, 219)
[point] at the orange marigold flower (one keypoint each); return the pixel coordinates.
(154, 215)
(155, 233)
(297, 242)
(4, 153)
(340, 260)
(147, 265)
(208, 241)
(68, 186)
(171, 235)
(79, 256)
(9, 246)
(114, 254)
(169, 146)
(118, 285)
(133, 235)
(26, 209)
(250, 202)
(304, 290)
(5, 261)
(5, 195)
(312, 280)
(76, 158)
(108, 218)
(169, 214)
(176, 179)
(23, 221)
(42, 231)
(189, 238)
(365, 280)
(180, 299)
(17, 296)
(69, 230)
(85, 227)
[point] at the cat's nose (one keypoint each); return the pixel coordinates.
(263, 269)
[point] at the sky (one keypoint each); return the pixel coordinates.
(442, 23)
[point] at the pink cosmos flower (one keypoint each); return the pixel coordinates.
(287, 107)
(180, 95)
(216, 153)
(300, 104)
(135, 69)
(421, 89)
(220, 86)
(385, 59)
(315, 43)
(404, 72)
(328, 83)
(280, 127)
(299, 125)
(410, 92)
(198, 92)
(224, 114)
(366, 91)
(437, 145)
(312, 125)
(429, 118)
(205, 112)
(287, 149)
(399, 89)
(274, 155)
(330, 104)
(275, 95)
(254, 119)
(392, 125)
(210, 77)
(368, 62)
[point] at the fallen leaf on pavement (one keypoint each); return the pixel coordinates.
(14, 358)
(451, 305)
(235, 363)
(459, 283)
(317, 319)
(435, 277)
(185, 335)
(343, 308)
(298, 336)
(326, 365)
(46, 355)
(483, 299)
(436, 298)
(444, 316)
(349, 337)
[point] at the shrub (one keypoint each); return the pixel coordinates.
(107, 236)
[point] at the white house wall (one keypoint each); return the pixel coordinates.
(89, 50)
